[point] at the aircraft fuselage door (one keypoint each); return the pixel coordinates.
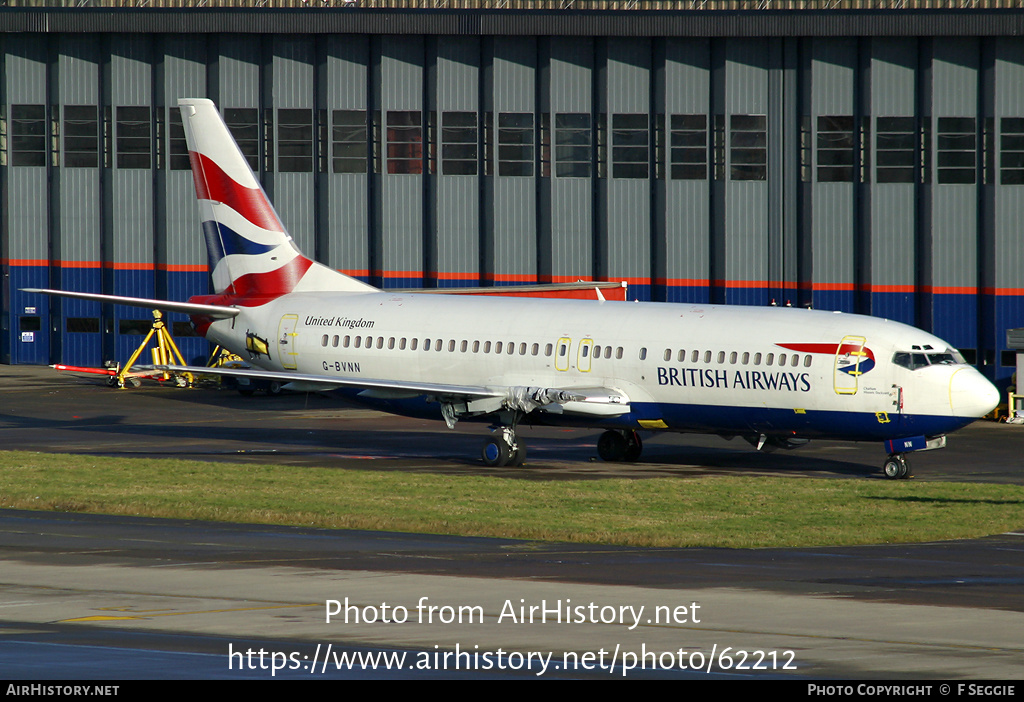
(562, 354)
(583, 354)
(287, 336)
(846, 370)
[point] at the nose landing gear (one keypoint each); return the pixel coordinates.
(896, 467)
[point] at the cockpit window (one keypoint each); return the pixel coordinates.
(919, 358)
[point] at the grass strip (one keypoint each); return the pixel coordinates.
(733, 512)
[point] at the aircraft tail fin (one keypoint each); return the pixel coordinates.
(251, 254)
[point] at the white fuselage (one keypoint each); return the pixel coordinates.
(725, 369)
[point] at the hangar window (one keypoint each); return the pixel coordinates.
(348, 141)
(748, 147)
(688, 142)
(295, 141)
(83, 325)
(835, 149)
(28, 135)
(131, 327)
(177, 146)
(630, 147)
(405, 142)
(895, 141)
(458, 143)
(515, 144)
(82, 136)
(244, 124)
(572, 145)
(956, 146)
(133, 137)
(1011, 147)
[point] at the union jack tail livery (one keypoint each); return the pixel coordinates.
(252, 257)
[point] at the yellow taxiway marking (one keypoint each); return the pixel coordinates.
(150, 613)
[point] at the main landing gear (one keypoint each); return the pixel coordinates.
(502, 449)
(896, 467)
(617, 446)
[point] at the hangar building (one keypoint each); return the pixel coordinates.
(842, 155)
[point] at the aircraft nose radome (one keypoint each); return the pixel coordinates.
(971, 394)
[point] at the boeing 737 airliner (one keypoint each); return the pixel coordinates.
(776, 376)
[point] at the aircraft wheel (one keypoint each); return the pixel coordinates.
(904, 468)
(896, 467)
(496, 452)
(613, 447)
(634, 446)
(274, 388)
(519, 456)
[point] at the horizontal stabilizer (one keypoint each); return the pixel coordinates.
(214, 311)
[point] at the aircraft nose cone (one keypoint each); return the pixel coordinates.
(971, 394)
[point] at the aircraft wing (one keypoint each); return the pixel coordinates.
(214, 311)
(313, 382)
(460, 400)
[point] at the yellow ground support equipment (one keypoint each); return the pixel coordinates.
(165, 352)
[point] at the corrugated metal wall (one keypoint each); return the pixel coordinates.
(877, 175)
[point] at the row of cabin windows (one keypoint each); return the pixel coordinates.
(510, 348)
(746, 358)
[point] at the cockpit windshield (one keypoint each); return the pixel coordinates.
(921, 356)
